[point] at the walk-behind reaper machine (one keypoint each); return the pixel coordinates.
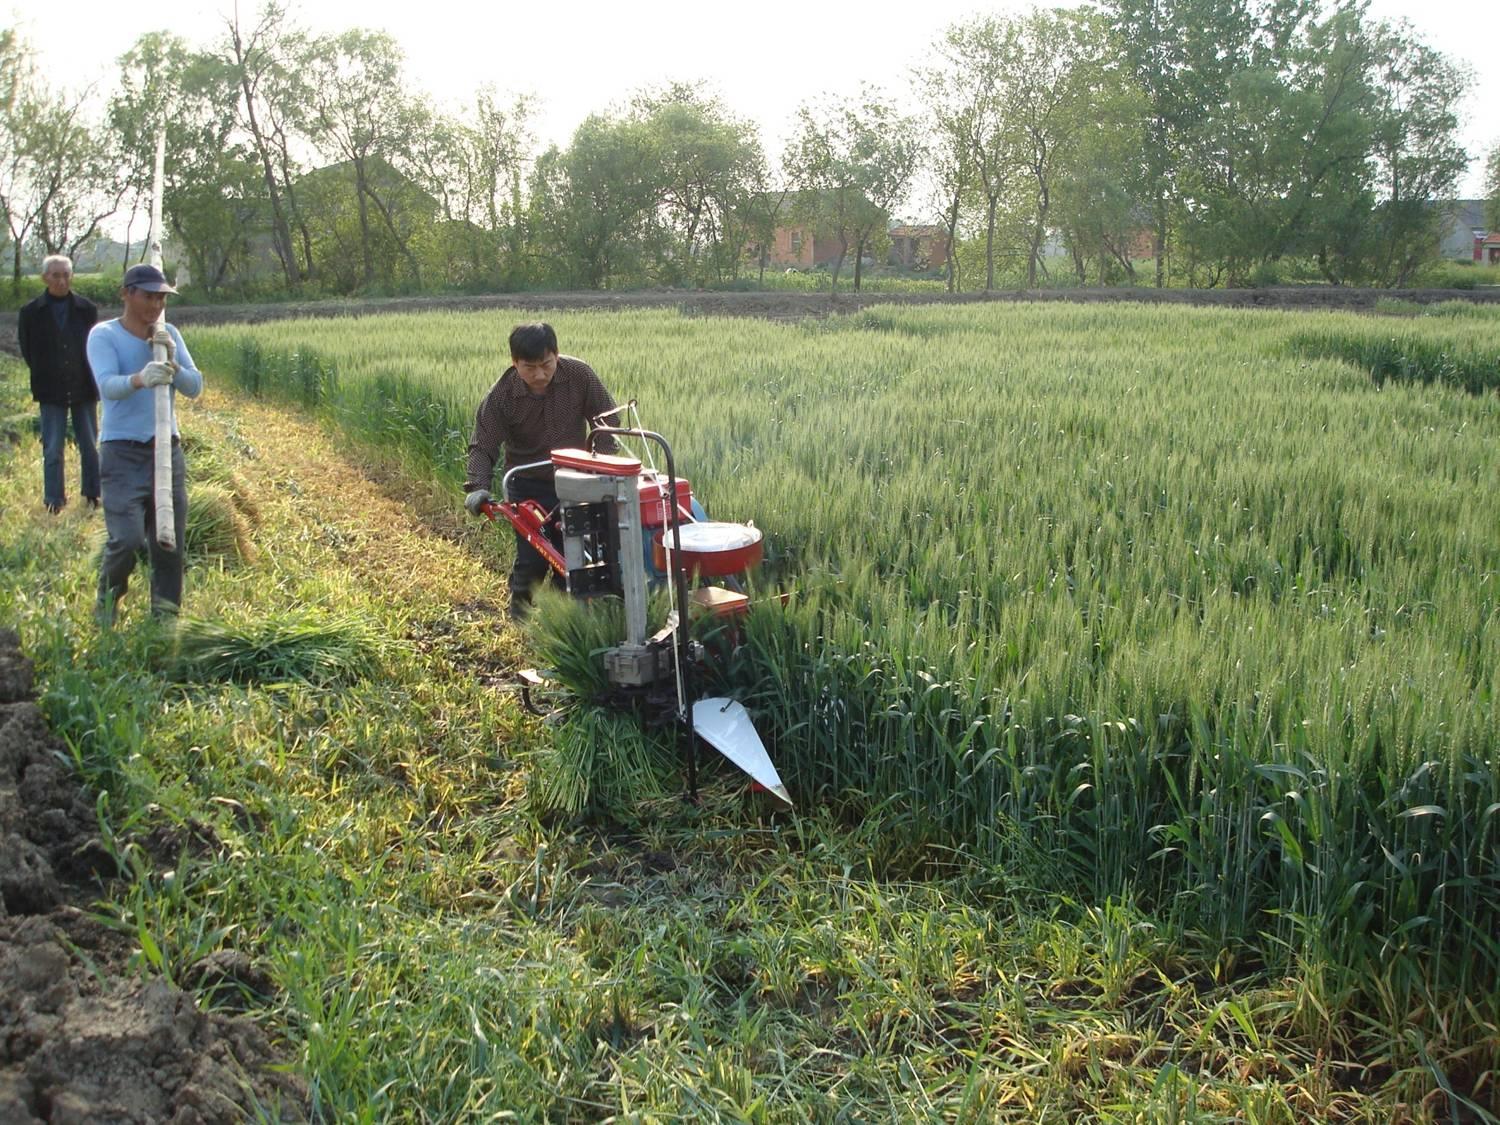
(611, 511)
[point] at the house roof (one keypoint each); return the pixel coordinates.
(1492, 239)
(908, 231)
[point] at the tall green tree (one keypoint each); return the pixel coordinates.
(767, 205)
(362, 117)
(213, 200)
(1417, 155)
(1099, 194)
(16, 71)
(952, 100)
(953, 170)
(266, 61)
(58, 169)
(593, 210)
(854, 159)
(498, 151)
(1048, 103)
(1279, 129)
(1181, 55)
(1286, 149)
(964, 90)
(704, 164)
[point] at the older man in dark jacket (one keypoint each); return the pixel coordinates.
(53, 333)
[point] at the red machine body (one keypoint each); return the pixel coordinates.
(652, 489)
(608, 508)
(709, 550)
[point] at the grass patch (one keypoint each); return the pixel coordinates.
(294, 646)
(216, 527)
(1471, 364)
(1458, 275)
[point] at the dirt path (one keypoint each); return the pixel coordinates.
(83, 1038)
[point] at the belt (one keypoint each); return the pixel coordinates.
(139, 444)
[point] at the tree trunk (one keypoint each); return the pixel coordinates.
(129, 226)
(364, 222)
(281, 235)
(951, 225)
(402, 243)
(989, 245)
(305, 267)
(1039, 231)
(1159, 243)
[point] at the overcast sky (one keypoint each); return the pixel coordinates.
(765, 57)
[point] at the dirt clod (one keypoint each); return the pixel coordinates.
(82, 1038)
(16, 673)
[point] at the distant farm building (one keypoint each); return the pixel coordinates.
(1461, 218)
(918, 247)
(806, 232)
(800, 247)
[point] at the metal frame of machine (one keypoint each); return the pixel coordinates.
(604, 504)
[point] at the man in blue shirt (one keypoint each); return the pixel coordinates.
(119, 352)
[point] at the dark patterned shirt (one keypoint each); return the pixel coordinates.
(531, 426)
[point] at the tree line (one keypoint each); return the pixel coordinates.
(1212, 139)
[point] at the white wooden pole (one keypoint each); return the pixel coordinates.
(166, 516)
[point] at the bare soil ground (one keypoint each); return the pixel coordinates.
(798, 306)
(82, 1037)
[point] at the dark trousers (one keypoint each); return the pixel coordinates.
(54, 436)
(529, 568)
(127, 469)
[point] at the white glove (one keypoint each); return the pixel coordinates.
(158, 373)
(475, 500)
(164, 338)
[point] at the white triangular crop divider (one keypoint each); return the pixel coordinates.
(725, 725)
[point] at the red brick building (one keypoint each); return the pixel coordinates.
(1487, 247)
(919, 247)
(799, 247)
(798, 243)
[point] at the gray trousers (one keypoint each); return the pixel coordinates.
(127, 472)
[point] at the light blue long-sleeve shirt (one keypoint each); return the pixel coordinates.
(115, 354)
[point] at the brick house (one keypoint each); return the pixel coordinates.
(918, 247)
(1487, 247)
(800, 247)
(798, 243)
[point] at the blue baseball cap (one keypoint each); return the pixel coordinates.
(149, 278)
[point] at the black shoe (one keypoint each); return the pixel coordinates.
(54, 509)
(92, 502)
